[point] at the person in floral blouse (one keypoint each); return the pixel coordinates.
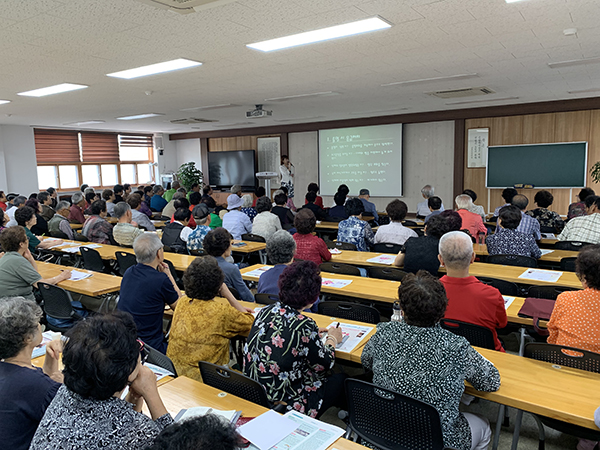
(546, 218)
(285, 353)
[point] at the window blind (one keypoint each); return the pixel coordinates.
(99, 147)
(56, 146)
(135, 140)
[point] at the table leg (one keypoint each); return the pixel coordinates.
(263, 256)
(515, 441)
(501, 410)
(522, 342)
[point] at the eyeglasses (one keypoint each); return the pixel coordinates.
(144, 352)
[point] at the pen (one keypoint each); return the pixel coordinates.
(338, 325)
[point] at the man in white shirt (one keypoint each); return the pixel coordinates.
(423, 208)
(235, 221)
(395, 232)
(18, 202)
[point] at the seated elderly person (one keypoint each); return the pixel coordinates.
(202, 216)
(217, 243)
(395, 232)
(60, 222)
(508, 240)
(169, 210)
(585, 228)
(319, 213)
(109, 197)
(507, 194)
(41, 226)
(142, 220)
(469, 300)
(575, 320)
(158, 203)
(420, 359)
(247, 207)
(176, 233)
(354, 230)
(528, 224)
(470, 221)
(546, 218)
(577, 209)
(435, 204)
(125, 231)
(477, 209)
(338, 212)
(235, 221)
(285, 353)
(18, 202)
(27, 219)
(265, 223)
(102, 358)
(25, 390)
(427, 192)
(146, 288)
(308, 246)
(46, 202)
(281, 248)
(78, 204)
(285, 214)
(96, 228)
(202, 326)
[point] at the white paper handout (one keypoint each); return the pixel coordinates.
(47, 336)
(335, 283)
(508, 301)
(550, 276)
(383, 259)
(352, 335)
(548, 235)
(257, 272)
(545, 251)
(159, 371)
(92, 246)
(73, 249)
(230, 416)
(76, 275)
(267, 430)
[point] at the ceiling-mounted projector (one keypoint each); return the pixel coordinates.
(258, 113)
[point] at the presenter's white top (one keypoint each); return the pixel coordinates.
(286, 174)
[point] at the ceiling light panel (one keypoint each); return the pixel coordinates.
(574, 62)
(153, 69)
(203, 108)
(2, 102)
(324, 34)
(140, 116)
(86, 122)
(462, 76)
(51, 90)
(298, 96)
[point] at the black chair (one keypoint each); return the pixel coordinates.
(235, 293)
(343, 269)
(59, 235)
(512, 260)
(159, 359)
(410, 223)
(341, 245)
(568, 264)
(266, 299)
(125, 260)
(350, 311)
(568, 357)
(253, 237)
(505, 287)
(386, 273)
(477, 335)
(550, 292)
(236, 384)
(391, 421)
(574, 246)
(199, 252)
(178, 280)
(544, 229)
(92, 260)
(57, 304)
(386, 247)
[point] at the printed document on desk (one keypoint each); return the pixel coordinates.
(508, 301)
(383, 259)
(352, 335)
(267, 430)
(550, 276)
(545, 251)
(76, 275)
(257, 272)
(335, 283)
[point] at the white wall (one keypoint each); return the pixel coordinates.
(17, 157)
(428, 158)
(188, 150)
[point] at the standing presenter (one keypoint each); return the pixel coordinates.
(287, 176)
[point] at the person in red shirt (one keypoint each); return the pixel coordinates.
(469, 300)
(3, 201)
(308, 246)
(470, 221)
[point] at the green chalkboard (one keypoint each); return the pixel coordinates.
(561, 165)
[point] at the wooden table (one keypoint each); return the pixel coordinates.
(332, 226)
(184, 393)
(76, 226)
(357, 258)
(555, 256)
(95, 286)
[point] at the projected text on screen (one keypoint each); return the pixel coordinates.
(362, 158)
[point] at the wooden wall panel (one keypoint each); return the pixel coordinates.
(593, 147)
(538, 128)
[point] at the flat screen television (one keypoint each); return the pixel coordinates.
(234, 167)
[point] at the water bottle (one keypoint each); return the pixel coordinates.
(397, 312)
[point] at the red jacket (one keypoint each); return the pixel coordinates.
(311, 248)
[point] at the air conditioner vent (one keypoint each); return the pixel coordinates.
(186, 6)
(458, 93)
(191, 120)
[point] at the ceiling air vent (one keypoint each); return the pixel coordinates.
(186, 6)
(191, 121)
(458, 93)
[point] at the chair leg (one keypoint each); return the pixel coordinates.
(501, 411)
(506, 422)
(522, 341)
(542, 433)
(517, 431)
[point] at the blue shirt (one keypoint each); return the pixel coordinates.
(356, 231)
(268, 281)
(433, 213)
(196, 238)
(338, 212)
(237, 223)
(158, 203)
(529, 225)
(144, 293)
(370, 209)
(233, 279)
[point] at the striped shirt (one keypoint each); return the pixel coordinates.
(583, 229)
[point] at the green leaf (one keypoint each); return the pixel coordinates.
(189, 174)
(595, 172)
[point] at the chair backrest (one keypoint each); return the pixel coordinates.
(386, 247)
(550, 292)
(178, 280)
(410, 223)
(390, 420)
(253, 237)
(545, 229)
(344, 269)
(266, 299)
(91, 259)
(199, 252)
(57, 302)
(159, 359)
(574, 246)
(476, 334)
(59, 235)
(234, 383)
(564, 356)
(341, 245)
(235, 293)
(350, 311)
(505, 287)
(125, 260)
(386, 273)
(512, 260)
(568, 264)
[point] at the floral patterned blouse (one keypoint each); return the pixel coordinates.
(286, 355)
(547, 218)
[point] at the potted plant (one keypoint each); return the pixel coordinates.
(189, 174)
(595, 172)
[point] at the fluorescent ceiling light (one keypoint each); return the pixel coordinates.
(202, 108)
(300, 119)
(233, 124)
(292, 97)
(140, 116)
(463, 102)
(513, 1)
(574, 62)
(462, 76)
(324, 34)
(2, 102)
(153, 69)
(85, 122)
(50, 90)
(379, 111)
(583, 91)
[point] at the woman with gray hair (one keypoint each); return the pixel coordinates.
(25, 391)
(281, 248)
(427, 192)
(77, 204)
(247, 206)
(265, 223)
(470, 221)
